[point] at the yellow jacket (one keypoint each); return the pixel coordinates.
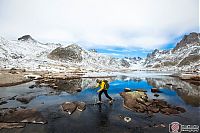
(101, 85)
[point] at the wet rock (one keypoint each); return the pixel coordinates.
(81, 106)
(127, 90)
(179, 88)
(25, 99)
(169, 84)
(169, 111)
(24, 116)
(69, 107)
(140, 100)
(153, 109)
(182, 110)
(156, 95)
(161, 103)
(155, 90)
(131, 100)
(11, 125)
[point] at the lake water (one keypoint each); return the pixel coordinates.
(106, 118)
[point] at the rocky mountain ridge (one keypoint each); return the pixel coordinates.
(184, 56)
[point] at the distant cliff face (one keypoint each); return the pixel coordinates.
(186, 54)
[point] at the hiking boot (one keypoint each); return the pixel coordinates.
(99, 102)
(111, 101)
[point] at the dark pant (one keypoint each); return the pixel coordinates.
(106, 94)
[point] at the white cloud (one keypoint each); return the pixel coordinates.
(145, 24)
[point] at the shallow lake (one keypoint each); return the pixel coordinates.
(105, 117)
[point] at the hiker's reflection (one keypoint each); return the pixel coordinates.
(103, 115)
(100, 108)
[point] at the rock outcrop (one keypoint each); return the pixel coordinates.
(138, 101)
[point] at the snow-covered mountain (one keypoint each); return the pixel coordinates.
(185, 56)
(29, 53)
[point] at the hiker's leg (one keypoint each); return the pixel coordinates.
(106, 94)
(100, 95)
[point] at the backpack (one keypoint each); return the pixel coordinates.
(106, 84)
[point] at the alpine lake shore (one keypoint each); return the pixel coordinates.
(144, 101)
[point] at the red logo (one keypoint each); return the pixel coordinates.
(175, 127)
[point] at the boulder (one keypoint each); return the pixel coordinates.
(24, 116)
(81, 106)
(69, 107)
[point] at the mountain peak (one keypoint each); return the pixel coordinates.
(26, 38)
(192, 38)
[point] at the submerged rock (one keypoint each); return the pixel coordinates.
(24, 116)
(69, 107)
(25, 99)
(11, 125)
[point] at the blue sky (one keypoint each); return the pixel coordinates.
(120, 27)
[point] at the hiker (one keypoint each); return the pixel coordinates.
(103, 84)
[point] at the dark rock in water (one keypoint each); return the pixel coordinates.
(182, 110)
(3, 102)
(169, 84)
(11, 125)
(32, 86)
(78, 89)
(169, 111)
(155, 90)
(156, 95)
(24, 116)
(69, 107)
(127, 90)
(141, 90)
(25, 99)
(81, 106)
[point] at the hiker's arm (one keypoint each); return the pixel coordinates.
(102, 87)
(97, 85)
